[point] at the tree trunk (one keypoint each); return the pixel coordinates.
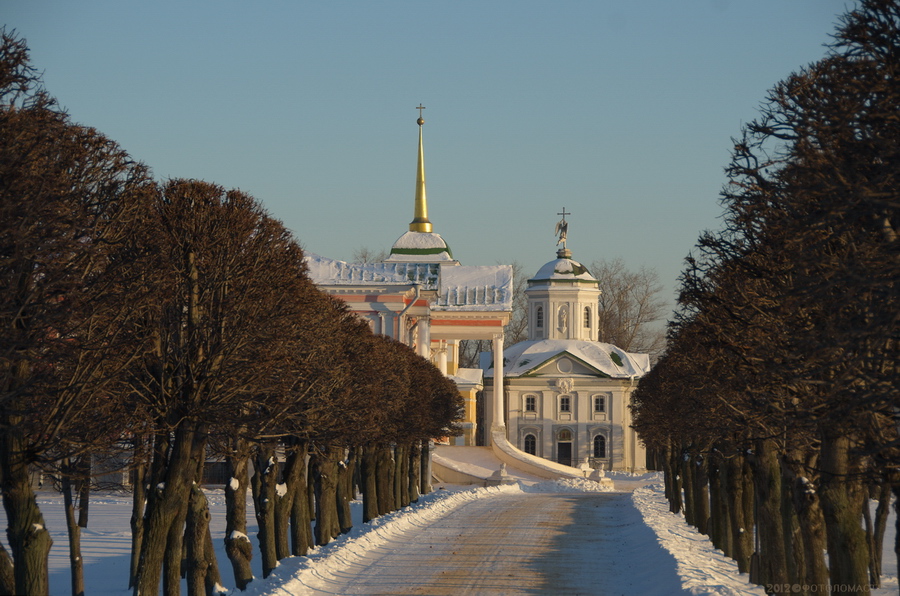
(676, 505)
(719, 526)
(202, 569)
(345, 491)
(291, 477)
(425, 474)
(882, 493)
(687, 481)
(327, 526)
(415, 471)
(793, 542)
(301, 530)
(369, 482)
(385, 475)
(767, 484)
(83, 488)
(805, 501)
(701, 491)
(165, 506)
(76, 564)
(138, 499)
(7, 574)
(29, 539)
(738, 484)
(237, 542)
(895, 488)
(174, 559)
(265, 478)
(842, 498)
(401, 476)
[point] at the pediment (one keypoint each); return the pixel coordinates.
(562, 365)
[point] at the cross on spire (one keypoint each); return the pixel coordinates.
(420, 108)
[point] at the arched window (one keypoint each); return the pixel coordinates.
(539, 317)
(587, 317)
(565, 435)
(600, 446)
(530, 444)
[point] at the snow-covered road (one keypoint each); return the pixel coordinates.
(515, 543)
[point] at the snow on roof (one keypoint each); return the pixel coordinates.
(331, 272)
(563, 269)
(459, 287)
(475, 287)
(420, 246)
(468, 376)
(526, 356)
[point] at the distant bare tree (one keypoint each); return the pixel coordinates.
(365, 254)
(631, 310)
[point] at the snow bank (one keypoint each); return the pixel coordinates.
(702, 568)
(294, 573)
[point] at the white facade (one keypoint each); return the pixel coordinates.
(566, 395)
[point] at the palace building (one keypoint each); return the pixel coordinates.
(423, 297)
(562, 395)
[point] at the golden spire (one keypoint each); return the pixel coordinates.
(420, 222)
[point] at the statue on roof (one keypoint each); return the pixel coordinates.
(562, 228)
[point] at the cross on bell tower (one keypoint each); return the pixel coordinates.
(562, 230)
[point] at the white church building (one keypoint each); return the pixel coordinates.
(565, 394)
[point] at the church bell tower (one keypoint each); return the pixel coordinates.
(563, 297)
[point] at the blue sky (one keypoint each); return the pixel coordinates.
(621, 112)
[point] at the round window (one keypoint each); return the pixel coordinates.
(564, 365)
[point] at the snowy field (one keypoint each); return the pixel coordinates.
(694, 564)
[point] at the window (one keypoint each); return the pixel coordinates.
(530, 403)
(599, 403)
(565, 404)
(530, 444)
(600, 446)
(539, 317)
(587, 317)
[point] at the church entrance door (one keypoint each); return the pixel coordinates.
(564, 453)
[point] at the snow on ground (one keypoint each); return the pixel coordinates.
(106, 541)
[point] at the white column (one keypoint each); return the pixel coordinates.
(424, 328)
(499, 414)
(442, 357)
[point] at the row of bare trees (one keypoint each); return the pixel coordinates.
(775, 406)
(166, 323)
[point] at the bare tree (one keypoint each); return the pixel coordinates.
(631, 314)
(68, 200)
(365, 254)
(788, 333)
(220, 337)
